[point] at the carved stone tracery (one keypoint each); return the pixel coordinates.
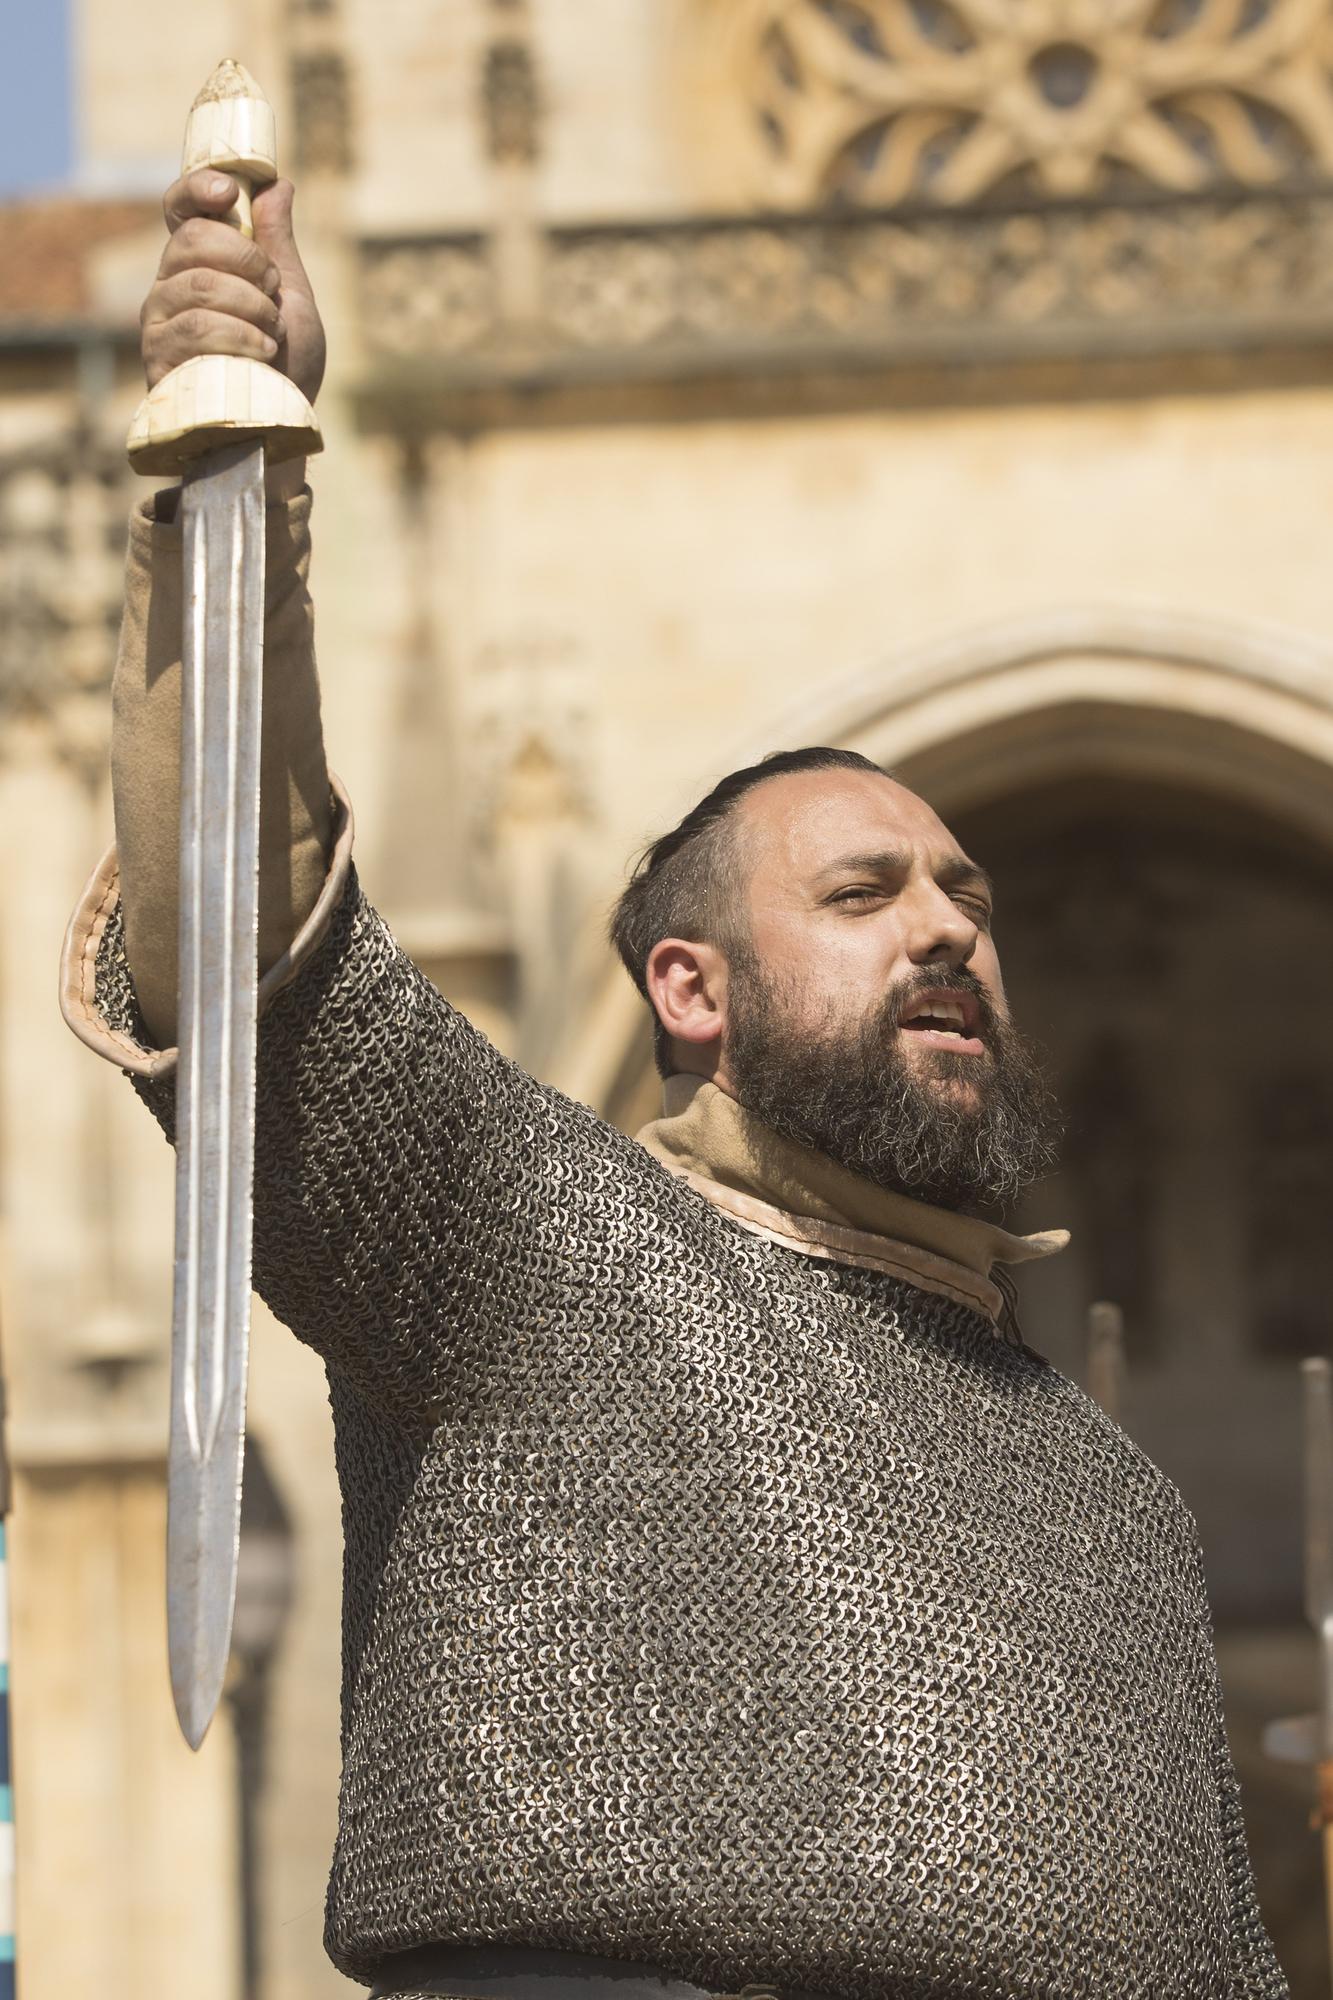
(511, 100)
(882, 101)
(966, 180)
(1218, 269)
(321, 101)
(62, 537)
(322, 90)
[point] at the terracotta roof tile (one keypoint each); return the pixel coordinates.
(45, 248)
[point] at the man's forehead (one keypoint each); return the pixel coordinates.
(807, 820)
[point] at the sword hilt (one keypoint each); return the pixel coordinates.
(215, 400)
(231, 128)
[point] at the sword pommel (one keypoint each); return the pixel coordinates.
(217, 400)
(231, 127)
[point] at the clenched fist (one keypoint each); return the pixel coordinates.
(217, 292)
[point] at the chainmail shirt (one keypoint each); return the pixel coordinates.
(750, 1615)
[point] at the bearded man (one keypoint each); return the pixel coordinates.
(732, 1599)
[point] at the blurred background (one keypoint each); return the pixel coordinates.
(952, 379)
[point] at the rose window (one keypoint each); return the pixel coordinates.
(887, 101)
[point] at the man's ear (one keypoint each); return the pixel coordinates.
(687, 985)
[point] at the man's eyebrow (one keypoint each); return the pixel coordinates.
(950, 874)
(882, 861)
(954, 873)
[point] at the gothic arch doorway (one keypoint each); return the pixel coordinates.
(1170, 950)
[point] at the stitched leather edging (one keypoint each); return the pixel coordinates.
(78, 962)
(852, 1246)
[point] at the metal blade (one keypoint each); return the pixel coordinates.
(222, 667)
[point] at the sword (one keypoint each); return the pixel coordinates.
(217, 420)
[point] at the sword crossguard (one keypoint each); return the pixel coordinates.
(216, 400)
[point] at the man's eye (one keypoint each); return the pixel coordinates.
(979, 911)
(857, 895)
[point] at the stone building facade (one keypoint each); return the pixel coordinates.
(948, 379)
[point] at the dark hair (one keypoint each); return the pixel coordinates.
(687, 883)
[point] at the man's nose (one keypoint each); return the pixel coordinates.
(939, 932)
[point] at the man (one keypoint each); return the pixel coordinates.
(731, 1598)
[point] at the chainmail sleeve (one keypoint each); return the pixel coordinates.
(387, 1131)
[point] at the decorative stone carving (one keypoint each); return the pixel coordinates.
(511, 101)
(532, 799)
(321, 102)
(427, 298)
(62, 535)
(529, 758)
(885, 101)
(1124, 277)
(511, 108)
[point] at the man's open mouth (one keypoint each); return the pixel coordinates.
(947, 1020)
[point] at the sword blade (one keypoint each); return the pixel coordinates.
(222, 667)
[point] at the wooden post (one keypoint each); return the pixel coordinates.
(1106, 1356)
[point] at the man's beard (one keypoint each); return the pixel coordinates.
(894, 1115)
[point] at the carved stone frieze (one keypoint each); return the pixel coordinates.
(62, 535)
(1116, 277)
(882, 101)
(427, 297)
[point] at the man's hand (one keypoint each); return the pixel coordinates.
(217, 292)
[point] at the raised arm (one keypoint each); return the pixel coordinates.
(218, 292)
(390, 1135)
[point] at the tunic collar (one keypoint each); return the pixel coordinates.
(782, 1189)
